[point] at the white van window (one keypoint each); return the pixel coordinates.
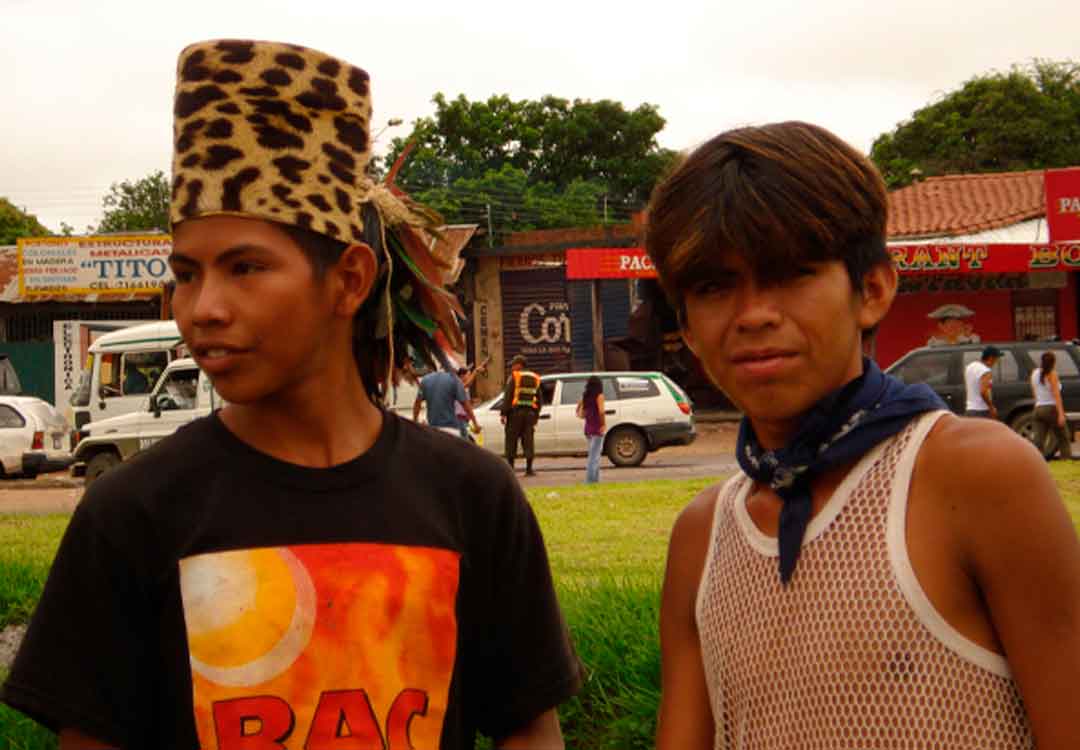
(179, 391)
(142, 370)
(109, 374)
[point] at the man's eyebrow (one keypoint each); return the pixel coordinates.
(228, 255)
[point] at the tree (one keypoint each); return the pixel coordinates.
(16, 223)
(1028, 118)
(512, 204)
(136, 206)
(565, 159)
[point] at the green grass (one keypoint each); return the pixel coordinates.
(1067, 475)
(614, 530)
(27, 547)
(607, 544)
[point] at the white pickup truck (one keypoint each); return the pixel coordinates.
(182, 394)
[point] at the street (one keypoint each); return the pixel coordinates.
(712, 454)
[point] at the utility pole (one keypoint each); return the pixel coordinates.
(605, 208)
(491, 233)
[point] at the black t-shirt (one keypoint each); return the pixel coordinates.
(206, 594)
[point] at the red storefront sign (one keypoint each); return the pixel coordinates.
(1063, 203)
(633, 263)
(609, 263)
(986, 258)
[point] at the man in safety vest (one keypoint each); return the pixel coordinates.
(520, 410)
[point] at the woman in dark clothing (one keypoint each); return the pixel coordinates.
(591, 409)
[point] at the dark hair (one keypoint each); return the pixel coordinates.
(593, 388)
(777, 196)
(462, 371)
(369, 351)
(1046, 365)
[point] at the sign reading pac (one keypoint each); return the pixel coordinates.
(50, 266)
(1063, 203)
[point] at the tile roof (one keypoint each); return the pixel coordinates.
(965, 204)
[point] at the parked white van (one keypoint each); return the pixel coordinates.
(123, 367)
(182, 394)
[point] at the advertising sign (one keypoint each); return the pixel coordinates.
(986, 258)
(633, 263)
(609, 263)
(51, 266)
(1063, 203)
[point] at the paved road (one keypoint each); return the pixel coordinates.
(664, 464)
(708, 457)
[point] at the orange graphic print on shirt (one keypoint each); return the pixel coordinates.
(321, 646)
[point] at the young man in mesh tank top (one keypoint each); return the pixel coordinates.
(881, 573)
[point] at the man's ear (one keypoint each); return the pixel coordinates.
(878, 292)
(685, 332)
(355, 274)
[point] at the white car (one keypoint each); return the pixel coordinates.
(644, 412)
(34, 437)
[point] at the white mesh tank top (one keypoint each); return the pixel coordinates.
(851, 654)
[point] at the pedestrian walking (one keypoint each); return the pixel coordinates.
(444, 393)
(1049, 409)
(979, 385)
(591, 409)
(520, 411)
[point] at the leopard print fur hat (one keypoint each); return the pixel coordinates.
(282, 132)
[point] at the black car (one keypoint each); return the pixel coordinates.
(942, 368)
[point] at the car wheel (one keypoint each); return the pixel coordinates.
(1024, 425)
(626, 447)
(99, 464)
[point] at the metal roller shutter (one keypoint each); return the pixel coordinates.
(581, 324)
(536, 319)
(615, 302)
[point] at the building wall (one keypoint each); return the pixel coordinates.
(908, 325)
(487, 328)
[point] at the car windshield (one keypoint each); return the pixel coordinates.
(81, 395)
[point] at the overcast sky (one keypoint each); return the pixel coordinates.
(87, 87)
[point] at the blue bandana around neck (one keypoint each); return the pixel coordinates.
(839, 428)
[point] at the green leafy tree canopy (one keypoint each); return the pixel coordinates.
(136, 206)
(537, 164)
(16, 223)
(1027, 118)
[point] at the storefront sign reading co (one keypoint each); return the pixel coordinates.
(51, 266)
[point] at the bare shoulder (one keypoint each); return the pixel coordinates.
(690, 535)
(985, 480)
(980, 456)
(694, 522)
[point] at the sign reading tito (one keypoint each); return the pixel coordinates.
(93, 265)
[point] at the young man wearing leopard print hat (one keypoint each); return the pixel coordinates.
(301, 569)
